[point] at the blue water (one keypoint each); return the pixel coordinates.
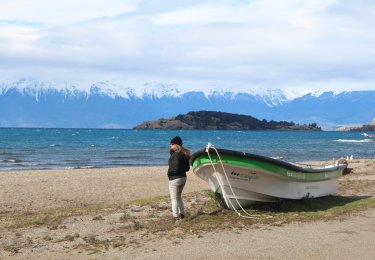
(25, 148)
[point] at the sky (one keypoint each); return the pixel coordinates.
(232, 45)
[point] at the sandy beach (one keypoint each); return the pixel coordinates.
(100, 214)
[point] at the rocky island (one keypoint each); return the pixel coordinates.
(211, 120)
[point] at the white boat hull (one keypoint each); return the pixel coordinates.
(246, 186)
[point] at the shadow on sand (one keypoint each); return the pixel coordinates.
(309, 204)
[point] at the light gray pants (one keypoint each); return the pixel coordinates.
(175, 190)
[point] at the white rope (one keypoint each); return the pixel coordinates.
(208, 147)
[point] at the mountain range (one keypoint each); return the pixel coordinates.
(35, 104)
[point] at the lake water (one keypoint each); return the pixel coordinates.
(33, 148)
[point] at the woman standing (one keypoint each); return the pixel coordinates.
(178, 166)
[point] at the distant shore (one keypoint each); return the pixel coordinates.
(102, 221)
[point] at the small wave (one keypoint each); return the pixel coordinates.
(11, 161)
(85, 167)
(68, 168)
(354, 141)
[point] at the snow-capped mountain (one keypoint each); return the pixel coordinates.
(160, 90)
(28, 103)
(274, 97)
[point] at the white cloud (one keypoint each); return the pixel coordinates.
(289, 44)
(54, 13)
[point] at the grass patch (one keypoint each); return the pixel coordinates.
(93, 244)
(48, 217)
(211, 215)
(11, 248)
(71, 237)
(205, 213)
(311, 209)
(216, 199)
(146, 201)
(137, 225)
(47, 238)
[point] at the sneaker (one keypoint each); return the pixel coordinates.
(182, 216)
(176, 221)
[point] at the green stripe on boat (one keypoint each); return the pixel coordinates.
(266, 166)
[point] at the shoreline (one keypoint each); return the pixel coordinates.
(79, 168)
(102, 213)
(9, 170)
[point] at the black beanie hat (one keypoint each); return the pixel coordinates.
(176, 140)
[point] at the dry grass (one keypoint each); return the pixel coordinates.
(206, 212)
(51, 217)
(212, 216)
(147, 219)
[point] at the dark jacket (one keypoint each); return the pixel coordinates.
(178, 166)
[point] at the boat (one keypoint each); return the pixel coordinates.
(243, 179)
